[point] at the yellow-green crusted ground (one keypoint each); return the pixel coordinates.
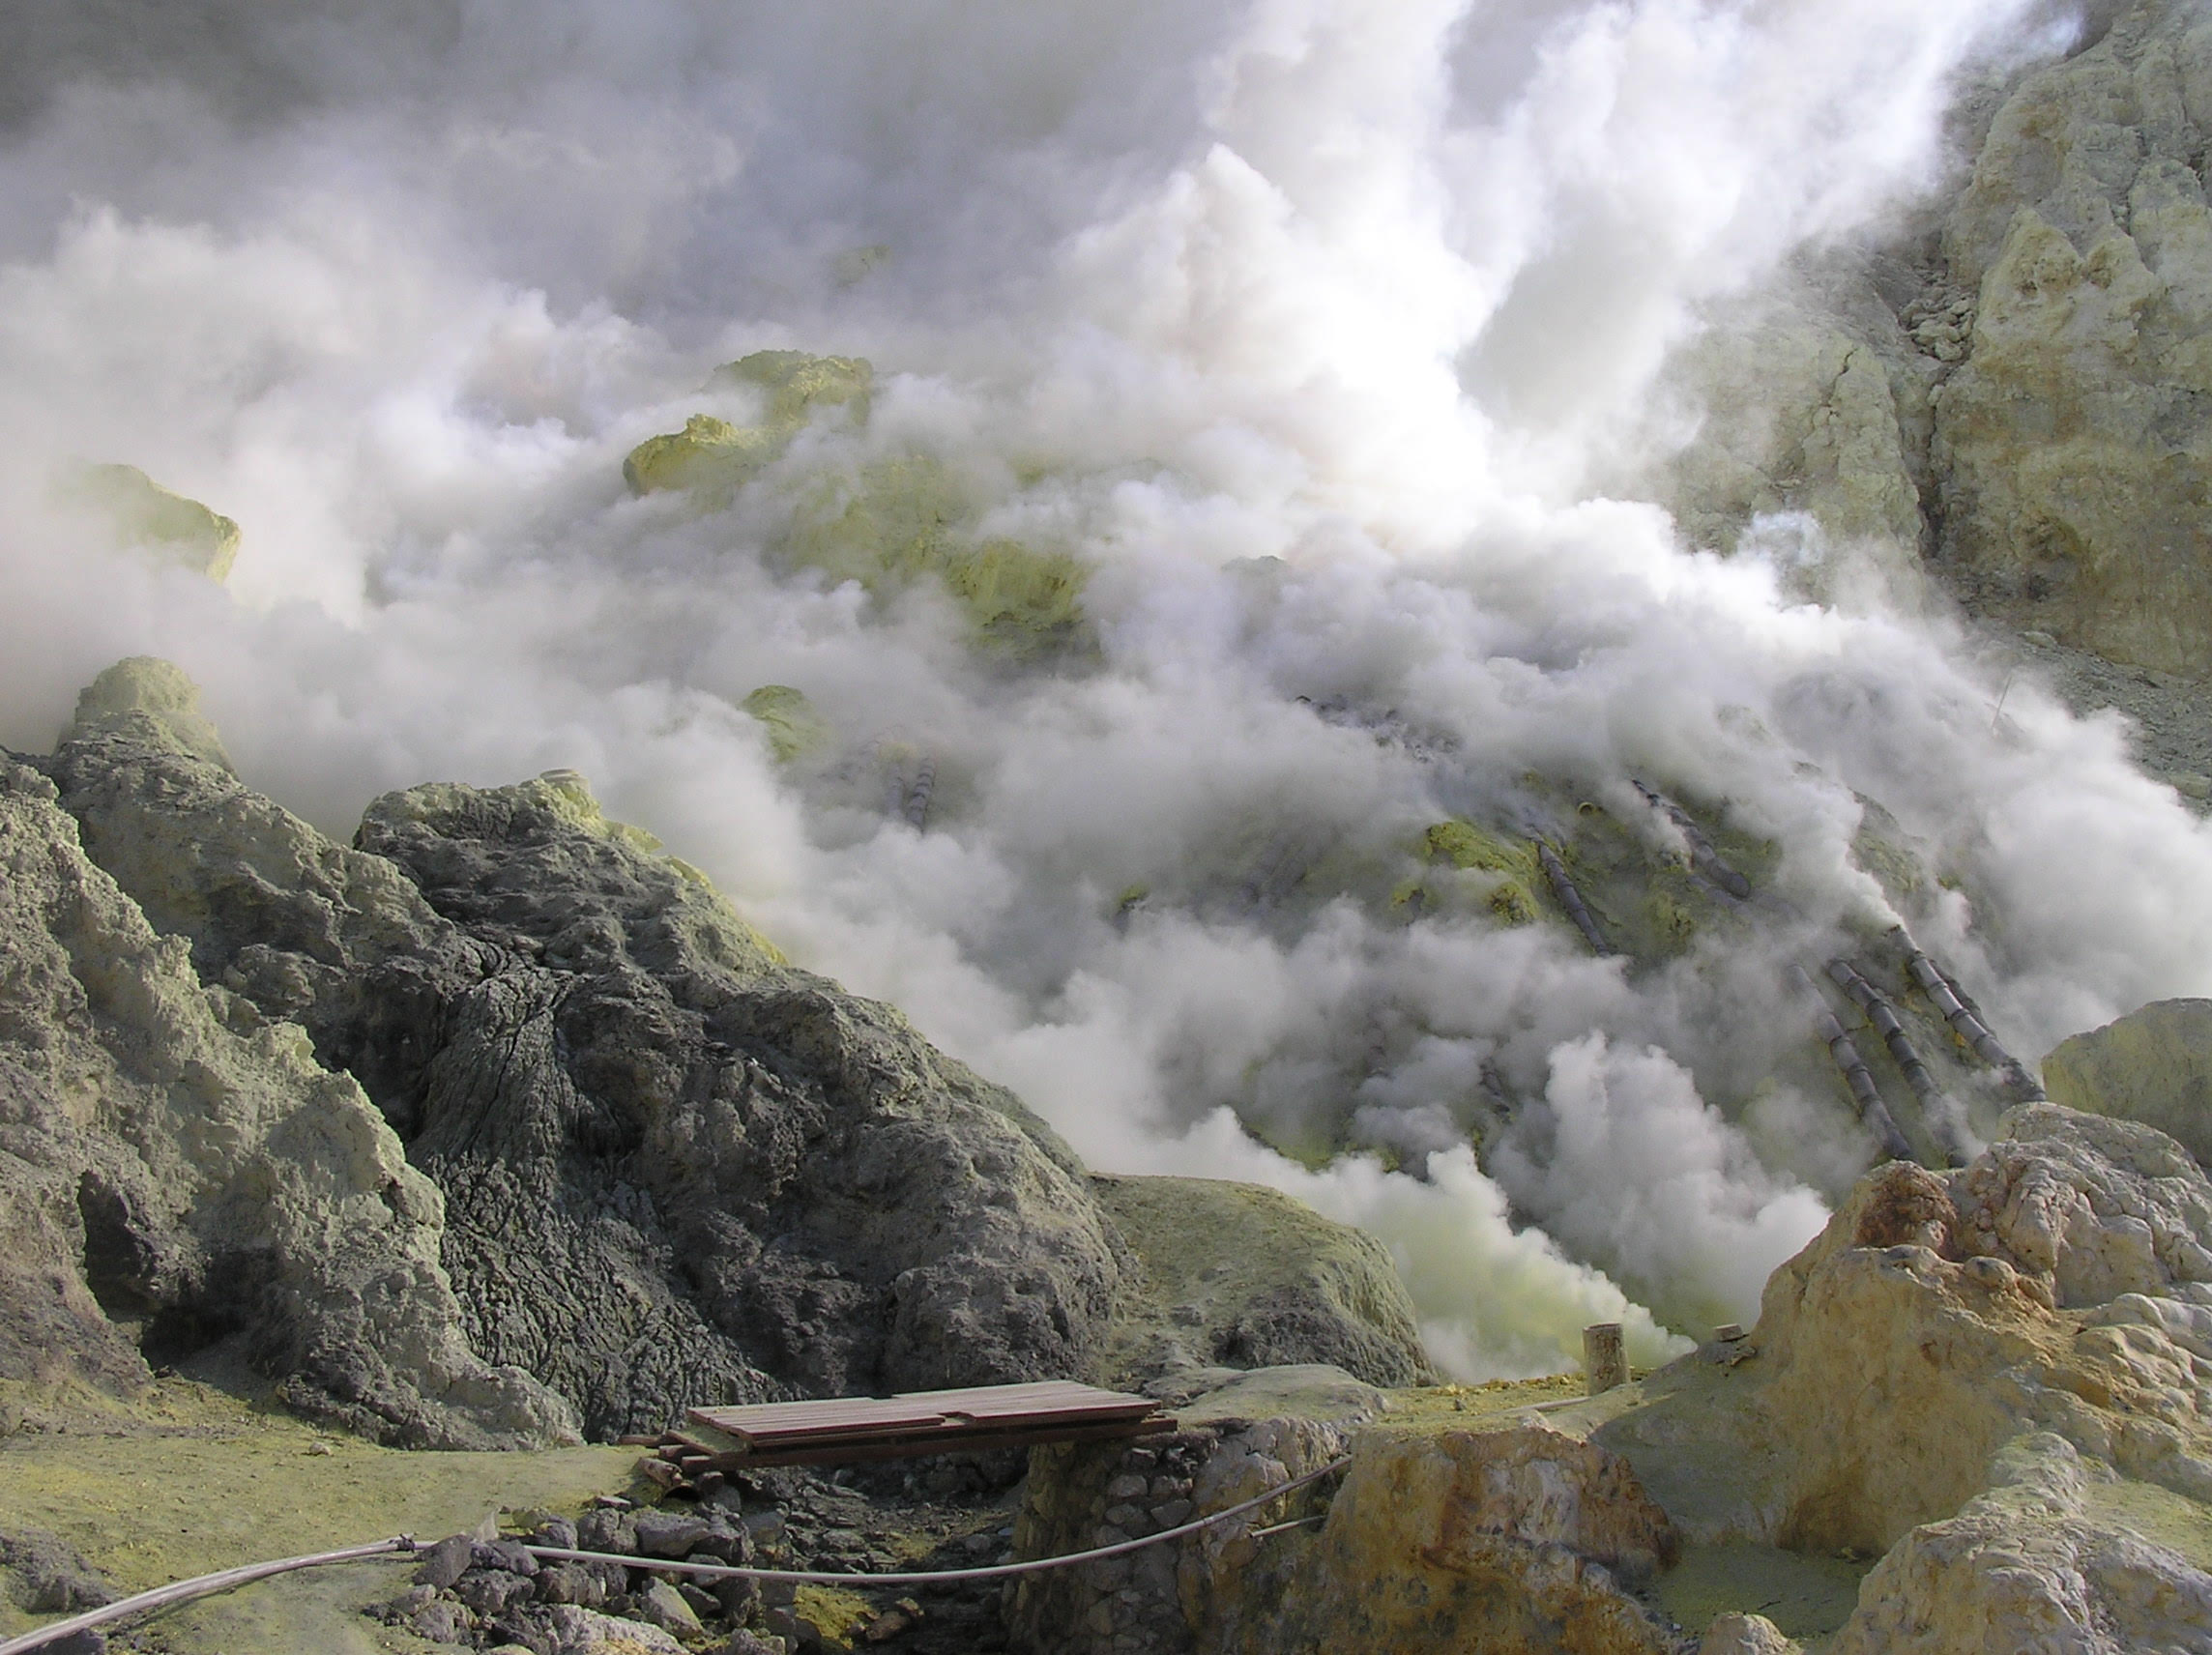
(193, 1479)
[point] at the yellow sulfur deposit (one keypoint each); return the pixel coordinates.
(146, 515)
(715, 458)
(1461, 845)
(793, 728)
(885, 524)
(708, 454)
(799, 383)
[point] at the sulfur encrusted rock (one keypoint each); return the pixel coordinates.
(795, 728)
(2153, 1065)
(1517, 1540)
(711, 458)
(1735, 1634)
(2059, 1282)
(673, 1168)
(2073, 442)
(1813, 414)
(887, 522)
(1524, 1539)
(2012, 392)
(2026, 1566)
(1941, 1375)
(174, 1169)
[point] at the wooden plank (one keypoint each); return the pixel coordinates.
(1048, 1393)
(913, 1426)
(766, 1425)
(902, 1448)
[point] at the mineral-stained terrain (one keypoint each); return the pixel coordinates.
(2016, 387)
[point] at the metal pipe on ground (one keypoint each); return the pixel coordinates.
(1856, 1075)
(1570, 899)
(207, 1585)
(1704, 858)
(1941, 989)
(1937, 1109)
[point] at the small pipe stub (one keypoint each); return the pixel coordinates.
(1729, 1332)
(1605, 1361)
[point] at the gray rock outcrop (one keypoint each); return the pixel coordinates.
(674, 1169)
(175, 1167)
(621, 1143)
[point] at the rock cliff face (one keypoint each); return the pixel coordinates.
(658, 1165)
(674, 1169)
(2021, 389)
(177, 1168)
(2074, 442)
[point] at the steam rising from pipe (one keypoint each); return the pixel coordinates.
(1300, 327)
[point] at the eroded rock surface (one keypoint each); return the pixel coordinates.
(174, 1165)
(2073, 442)
(674, 1169)
(2016, 387)
(2025, 1567)
(1938, 1374)
(2055, 1284)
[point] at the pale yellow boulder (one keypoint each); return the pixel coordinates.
(2153, 1065)
(2026, 1566)
(2054, 1285)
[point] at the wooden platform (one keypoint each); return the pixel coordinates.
(850, 1429)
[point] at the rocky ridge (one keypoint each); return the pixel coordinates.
(177, 1169)
(613, 1139)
